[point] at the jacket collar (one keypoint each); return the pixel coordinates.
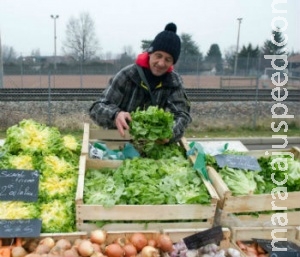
(143, 61)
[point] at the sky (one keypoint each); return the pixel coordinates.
(26, 25)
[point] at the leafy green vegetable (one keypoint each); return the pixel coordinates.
(279, 166)
(241, 182)
(32, 137)
(149, 126)
(146, 181)
(18, 210)
(58, 215)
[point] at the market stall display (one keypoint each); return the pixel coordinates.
(245, 195)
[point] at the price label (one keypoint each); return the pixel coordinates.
(20, 228)
(19, 185)
(210, 236)
(238, 161)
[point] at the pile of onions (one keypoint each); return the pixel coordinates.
(136, 245)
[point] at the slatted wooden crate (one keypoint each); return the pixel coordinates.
(234, 210)
(246, 234)
(110, 137)
(176, 235)
(128, 217)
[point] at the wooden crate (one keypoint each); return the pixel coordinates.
(176, 235)
(110, 137)
(245, 234)
(128, 217)
(234, 210)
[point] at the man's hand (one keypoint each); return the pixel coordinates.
(162, 141)
(121, 120)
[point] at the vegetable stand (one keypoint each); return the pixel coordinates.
(254, 209)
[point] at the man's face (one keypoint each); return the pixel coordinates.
(160, 62)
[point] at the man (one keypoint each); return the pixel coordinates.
(127, 90)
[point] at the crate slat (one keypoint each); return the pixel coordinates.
(146, 212)
(83, 226)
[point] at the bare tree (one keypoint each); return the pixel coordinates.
(8, 54)
(35, 52)
(81, 42)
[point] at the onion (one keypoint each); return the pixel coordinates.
(71, 252)
(98, 236)
(49, 241)
(121, 241)
(152, 242)
(164, 243)
(233, 252)
(150, 251)
(56, 251)
(97, 254)
(114, 250)
(33, 255)
(41, 249)
(97, 247)
(85, 248)
(139, 240)
(63, 244)
(31, 245)
(130, 250)
(18, 251)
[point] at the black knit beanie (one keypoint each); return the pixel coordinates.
(167, 41)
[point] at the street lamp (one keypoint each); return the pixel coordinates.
(54, 17)
(237, 46)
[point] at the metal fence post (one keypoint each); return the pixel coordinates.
(49, 99)
(256, 104)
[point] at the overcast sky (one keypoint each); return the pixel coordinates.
(26, 25)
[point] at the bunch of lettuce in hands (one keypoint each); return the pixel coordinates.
(150, 129)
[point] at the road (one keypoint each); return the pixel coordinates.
(244, 144)
(269, 146)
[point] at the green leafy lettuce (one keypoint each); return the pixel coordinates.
(142, 181)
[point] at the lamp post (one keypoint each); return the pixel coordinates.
(54, 17)
(237, 46)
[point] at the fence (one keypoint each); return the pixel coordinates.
(100, 81)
